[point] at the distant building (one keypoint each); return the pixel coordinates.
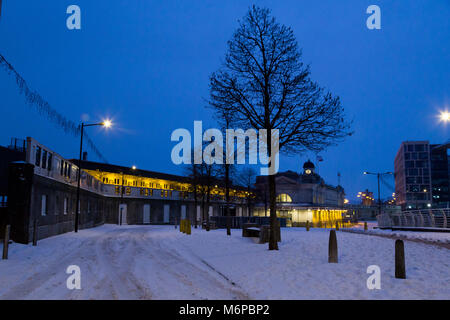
(302, 197)
(422, 175)
(367, 198)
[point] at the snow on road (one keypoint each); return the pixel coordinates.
(128, 262)
(158, 262)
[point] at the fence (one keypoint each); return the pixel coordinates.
(416, 219)
(237, 222)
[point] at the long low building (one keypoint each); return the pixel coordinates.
(41, 194)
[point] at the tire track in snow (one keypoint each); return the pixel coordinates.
(116, 261)
(183, 270)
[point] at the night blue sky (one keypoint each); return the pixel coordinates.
(146, 65)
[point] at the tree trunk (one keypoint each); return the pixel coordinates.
(195, 205)
(273, 244)
(227, 197)
(207, 205)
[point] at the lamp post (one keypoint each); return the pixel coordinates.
(106, 124)
(121, 195)
(378, 174)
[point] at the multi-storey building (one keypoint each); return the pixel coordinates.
(421, 175)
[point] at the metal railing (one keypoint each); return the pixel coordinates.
(425, 218)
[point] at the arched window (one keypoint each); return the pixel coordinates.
(284, 197)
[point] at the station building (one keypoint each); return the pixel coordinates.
(303, 197)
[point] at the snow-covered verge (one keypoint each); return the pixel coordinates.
(431, 236)
(158, 262)
(300, 269)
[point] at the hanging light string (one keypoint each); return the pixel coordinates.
(44, 108)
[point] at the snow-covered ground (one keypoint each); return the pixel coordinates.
(158, 262)
(438, 237)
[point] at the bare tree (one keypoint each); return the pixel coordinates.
(192, 173)
(246, 178)
(265, 85)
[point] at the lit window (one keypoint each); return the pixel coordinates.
(283, 197)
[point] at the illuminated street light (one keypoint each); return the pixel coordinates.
(107, 123)
(445, 116)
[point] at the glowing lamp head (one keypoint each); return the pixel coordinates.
(107, 123)
(133, 167)
(445, 116)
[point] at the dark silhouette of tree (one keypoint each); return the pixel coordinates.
(265, 85)
(246, 178)
(43, 107)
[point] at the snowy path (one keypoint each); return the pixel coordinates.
(116, 263)
(158, 262)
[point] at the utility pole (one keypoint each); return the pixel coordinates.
(379, 175)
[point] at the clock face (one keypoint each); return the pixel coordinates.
(307, 171)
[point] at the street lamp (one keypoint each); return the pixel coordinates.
(106, 124)
(378, 174)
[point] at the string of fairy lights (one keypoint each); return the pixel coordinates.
(36, 101)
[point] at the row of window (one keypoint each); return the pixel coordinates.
(68, 205)
(415, 147)
(418, 180)
(417, 188)
(43, 158)
(416, 155)
(416, 164)
(136, 183)
(417, 196)
(418, 172)
(144, 192)
(66, 169)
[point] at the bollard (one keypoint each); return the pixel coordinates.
(400, 270)
(332, 248)
(182, 226)
(176, 223)
(6, 242)
(188, 231)
(307, 225)
(35, 232)
(365, 226)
